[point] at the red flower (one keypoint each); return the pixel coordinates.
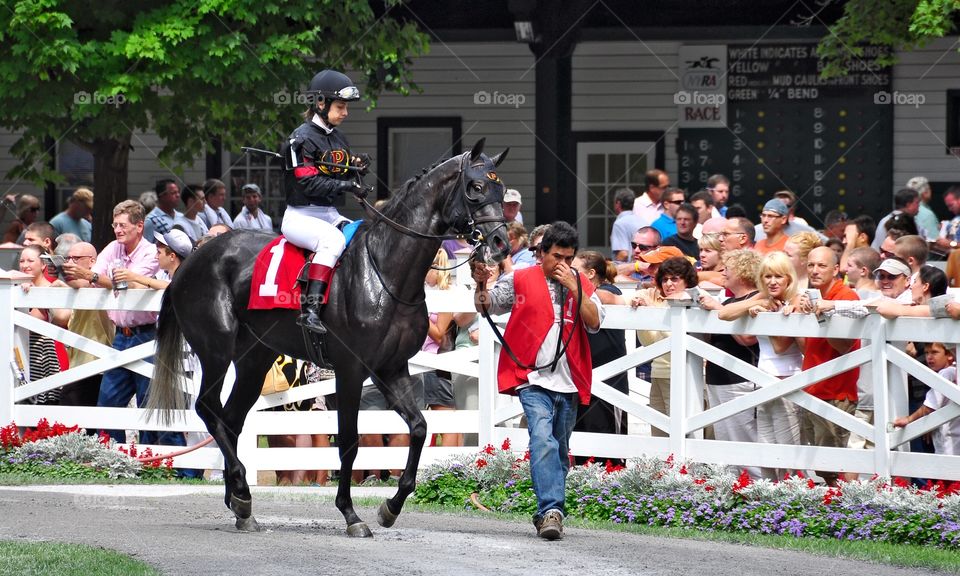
(489, 449)
(811, 484)
(900, 482)
(683, 469)
(481, 463)
(708, 488)
(506, 444)
(742, 482)
(669, 461)
(700, 481)
(831, 495)
(526, 456)
(610, 467)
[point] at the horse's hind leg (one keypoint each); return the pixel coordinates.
(403, 396)
(252, 361)
(349, 385)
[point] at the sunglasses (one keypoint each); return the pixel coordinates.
(642, 247)
(534, 248)
(677, 202)
(34, 209)
(886, 277)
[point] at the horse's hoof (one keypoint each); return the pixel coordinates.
(359, 530)
(385, 517)
(248, 524)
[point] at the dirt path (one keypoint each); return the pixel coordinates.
(187, 530)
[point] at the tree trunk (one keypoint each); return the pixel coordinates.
(110, 167)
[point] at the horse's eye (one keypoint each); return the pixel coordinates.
(478, 187)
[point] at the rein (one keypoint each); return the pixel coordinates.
(561, 350)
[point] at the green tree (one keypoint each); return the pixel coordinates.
(193, 71)
(892, 24)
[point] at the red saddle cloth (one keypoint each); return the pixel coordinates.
(275, 273)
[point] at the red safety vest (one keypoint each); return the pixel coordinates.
(530, 321)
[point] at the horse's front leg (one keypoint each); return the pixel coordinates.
(348, 408)
(405, 396)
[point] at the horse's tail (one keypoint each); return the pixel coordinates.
(166, 393)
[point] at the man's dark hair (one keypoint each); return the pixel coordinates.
(902, 222)
(652, 177)
(953, 191)
(903, 197)
(865, 225)
(625, 197)
(705, 196)
(717, 179)
(188, 193)
(736, 211)
(746, 226)
(936, 278)
(676, 266)
(689, 209)
(162, 184)
(561, 235)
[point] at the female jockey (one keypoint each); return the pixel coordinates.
(316, 157)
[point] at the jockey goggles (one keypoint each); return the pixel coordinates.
(347, 93)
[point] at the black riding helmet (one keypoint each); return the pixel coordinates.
(331, 85)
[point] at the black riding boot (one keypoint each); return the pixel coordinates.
(312, 303)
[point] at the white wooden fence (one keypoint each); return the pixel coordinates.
(497, 416)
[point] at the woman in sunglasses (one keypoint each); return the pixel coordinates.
(318, 170)
(28, 209)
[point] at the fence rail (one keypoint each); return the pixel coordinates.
(497, 416)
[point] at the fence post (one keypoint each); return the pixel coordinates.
(679, 386)
(9, 282)
(487, 385)
(882, 399)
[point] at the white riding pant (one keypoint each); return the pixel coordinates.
(315, 228)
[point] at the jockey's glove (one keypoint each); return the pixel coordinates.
(361, 161)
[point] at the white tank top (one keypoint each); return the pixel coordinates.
(780, 365)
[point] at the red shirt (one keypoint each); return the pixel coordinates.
(843, 386)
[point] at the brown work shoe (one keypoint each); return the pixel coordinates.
(551, 526)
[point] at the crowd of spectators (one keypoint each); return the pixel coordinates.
(851, 267)
(664, 241)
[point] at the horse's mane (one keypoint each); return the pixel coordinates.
(406, 189)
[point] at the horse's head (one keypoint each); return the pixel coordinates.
(476, 206)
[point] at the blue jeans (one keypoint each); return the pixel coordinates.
(550, 419)
(119, 385)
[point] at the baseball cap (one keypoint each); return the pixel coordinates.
(176, 240)
(661, 254)
(251, 186)
(776, 205)
(512, 195)
(895, 267)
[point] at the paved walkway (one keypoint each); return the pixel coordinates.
(186, 530)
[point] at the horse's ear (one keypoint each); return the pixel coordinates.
(477, 149)
(498, 159)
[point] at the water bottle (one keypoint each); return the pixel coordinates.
(122, 285)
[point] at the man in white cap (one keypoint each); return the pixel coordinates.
(251, 216)
(511, 206)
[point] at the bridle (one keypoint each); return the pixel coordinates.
(475, 236)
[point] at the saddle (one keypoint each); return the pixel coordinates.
(279, 277)
(279, 272)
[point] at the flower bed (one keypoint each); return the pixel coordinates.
(59, 451)
(657, 492)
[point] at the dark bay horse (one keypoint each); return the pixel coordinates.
(376, 317)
